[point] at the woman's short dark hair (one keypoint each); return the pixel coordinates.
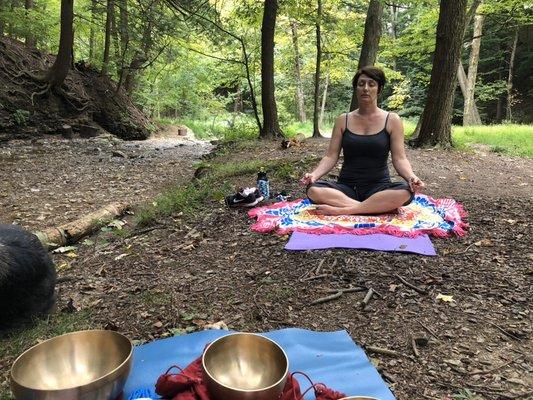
(372, 72)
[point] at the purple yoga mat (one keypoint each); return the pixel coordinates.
(378, 241)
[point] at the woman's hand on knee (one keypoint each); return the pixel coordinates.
(308, 179)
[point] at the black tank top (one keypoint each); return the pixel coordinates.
(365, 157)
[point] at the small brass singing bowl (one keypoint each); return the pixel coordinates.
(84, 365)
(245, 366)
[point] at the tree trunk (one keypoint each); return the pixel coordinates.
(107, 42)
(499, 110)
(2, 22)
(92, 31)
(462, 79)
(393, 28)
(271, 127)
(470, 113)
(369, 49)
(59, 70)
(300, 101)
(30, 39)
(435, 125)
(316, 127)
(237, 105)
(324, 96)
(508, 113)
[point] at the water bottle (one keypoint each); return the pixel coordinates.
(263, 185)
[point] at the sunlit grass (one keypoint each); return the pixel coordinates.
(510, 139)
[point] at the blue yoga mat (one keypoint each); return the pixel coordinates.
(328, 357)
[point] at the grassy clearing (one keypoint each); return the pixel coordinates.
(516, 140)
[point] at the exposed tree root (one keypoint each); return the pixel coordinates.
(46, 89)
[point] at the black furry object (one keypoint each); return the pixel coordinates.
(27, 276)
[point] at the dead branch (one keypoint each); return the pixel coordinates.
(327, 298)
(406, 283)
(367, 298)
(310, 278)
(383, 351)
(489, 371)
(415, 349)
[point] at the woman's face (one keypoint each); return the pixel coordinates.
(367, 89)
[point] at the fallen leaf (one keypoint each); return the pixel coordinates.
(220, 325)
(64, 249)
(484, 243)
(445, 298)
(71, 255)
(157, 324)
(120, 257)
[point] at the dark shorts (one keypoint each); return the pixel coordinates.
(361, 193)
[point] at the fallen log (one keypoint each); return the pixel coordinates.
(71, 232)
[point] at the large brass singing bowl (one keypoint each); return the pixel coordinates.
(245, 366)
(84, 365)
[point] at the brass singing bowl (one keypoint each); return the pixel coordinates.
(245, 366)
(84, 365)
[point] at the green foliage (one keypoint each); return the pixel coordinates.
(21, 117)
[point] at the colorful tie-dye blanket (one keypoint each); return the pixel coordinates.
(437, 217)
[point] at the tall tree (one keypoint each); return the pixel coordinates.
(59, 70)
(2, 22)
(30, 38)
(316, 127)
(324, 96)
(92, 31)
(300, 100)
(508, 113)
(369, 49)
(435, 125)
(271, 127)
(107, 41)
(470, 114)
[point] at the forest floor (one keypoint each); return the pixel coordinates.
(187, 271)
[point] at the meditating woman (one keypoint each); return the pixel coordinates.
(366, 136)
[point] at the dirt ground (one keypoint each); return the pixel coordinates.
(183, 273)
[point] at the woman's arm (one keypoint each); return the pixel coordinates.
(332, 155)
(399, 159)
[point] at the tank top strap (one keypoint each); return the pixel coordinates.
(346, 122)
(386, 120)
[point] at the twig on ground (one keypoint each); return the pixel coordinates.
(465, 250)
(406, 283)
(488, 371)
(310, 278)
(429, 330)
(504, 331)
(327, 298)
(145, 230)
(347, 290)
(319, 267)
(415, 349)
(367, 298)
(383, 351)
